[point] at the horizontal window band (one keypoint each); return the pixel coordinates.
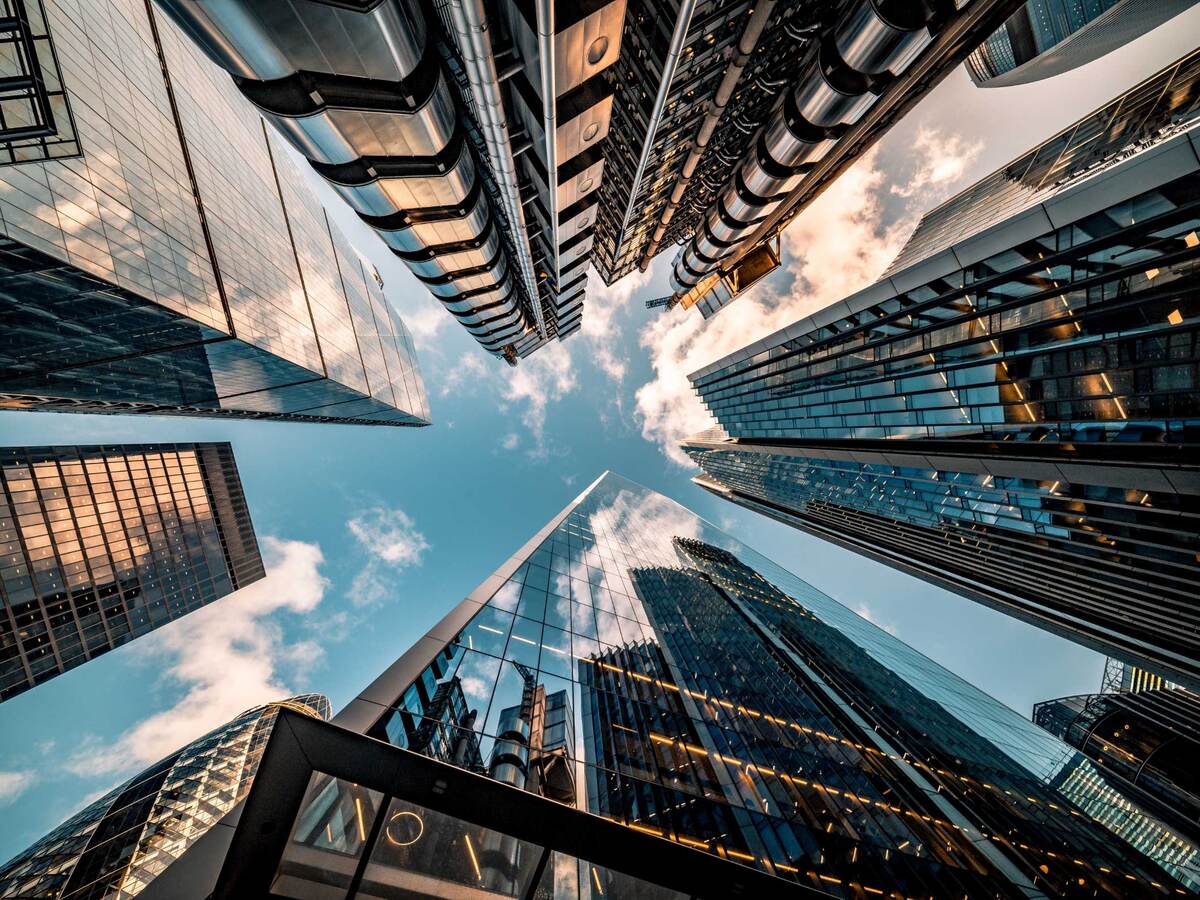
(475, 292)
(713, 239)
(305, 93)
(435, 250)
(370, 169)
(498, 258)
(406, 218)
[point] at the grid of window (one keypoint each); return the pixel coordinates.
(1080, 334)
(103, 544)
(169, 273)
(117, 845)
(723, 703)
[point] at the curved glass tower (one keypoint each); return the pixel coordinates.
(1048, 37)
(123, 841)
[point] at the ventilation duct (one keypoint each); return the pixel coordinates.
(363, 95)
(876, 39)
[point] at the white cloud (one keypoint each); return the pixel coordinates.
(942, 160)
(840, 244)
(427, 323)
(469, 369)
(539, 380)
(228, 656)
(510, 441)
(869, 614)
(391, 538)
(14, 783)
(389, 534)
(600, 330)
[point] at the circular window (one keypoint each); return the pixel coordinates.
(591, 131)
(597, 49)
(587, 185)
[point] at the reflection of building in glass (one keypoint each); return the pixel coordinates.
(104, 544)
(1145, 743)
(118, 845)
(722, 703)
(1048, 37)
(164, 271)
(1010, 412)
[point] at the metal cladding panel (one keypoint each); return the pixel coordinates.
(587, 129)
(587, 47)
(580, 185)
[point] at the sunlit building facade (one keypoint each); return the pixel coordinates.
(119, 844)
(1048, 37)
(104, 544)
(469, 135)
(1011, 412)
(146, 267)
(717, 703)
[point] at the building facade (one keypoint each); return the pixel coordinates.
(145, 267)
(1048, 37)
(805, 92)
(104, 544)
(1144, 743)
(470, 135)
(1010, 412)
(119, 844)
(719, 703)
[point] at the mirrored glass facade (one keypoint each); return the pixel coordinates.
(116, 846)
(99, 545)
(1014, 414)
(718, 701)
(166, 272)
(1044, 38)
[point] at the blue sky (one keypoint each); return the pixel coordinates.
(372, 534)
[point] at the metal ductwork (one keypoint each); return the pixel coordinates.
(876, 39)
(733, 73)
(363, 94)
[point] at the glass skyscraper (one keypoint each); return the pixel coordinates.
(103, 544)
(116, 846)
(636, 663)
(1011, 412)
(148, 266)
(1048, 37)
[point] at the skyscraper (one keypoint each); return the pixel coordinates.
(104, 544)
(1010, 412)
(757, 135)
(1048, 37)
(147, 267)
(722, 706)
(1144, 743)
(471, 140)
(495, 144)
(119, 844)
